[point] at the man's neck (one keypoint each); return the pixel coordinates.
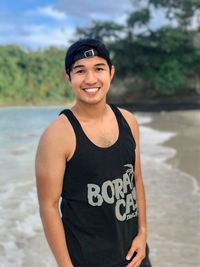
(90, 111)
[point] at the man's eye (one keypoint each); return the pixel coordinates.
(99, 69)
(79, 71)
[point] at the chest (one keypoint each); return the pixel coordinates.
(102, 134)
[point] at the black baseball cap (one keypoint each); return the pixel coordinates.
(85, 48)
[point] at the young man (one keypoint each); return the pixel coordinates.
(90, 156)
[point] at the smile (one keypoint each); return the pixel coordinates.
(91, 90)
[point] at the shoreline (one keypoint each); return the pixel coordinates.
(133, 107)
(158, 107)
(186, 125)
(42, 104)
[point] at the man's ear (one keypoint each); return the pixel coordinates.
(68, 79)
(112, 72)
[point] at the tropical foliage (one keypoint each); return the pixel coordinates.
(165, 58)
(32, 77)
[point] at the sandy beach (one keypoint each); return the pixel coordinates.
(173, 200)
(186, 125)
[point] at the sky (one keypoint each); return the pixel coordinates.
(34, 24)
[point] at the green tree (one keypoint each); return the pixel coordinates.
(139, 18)
(32, 77)
(100, 30)
(181, 11)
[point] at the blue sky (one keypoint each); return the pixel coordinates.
(34, 24)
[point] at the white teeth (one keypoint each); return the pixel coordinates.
(90, 90)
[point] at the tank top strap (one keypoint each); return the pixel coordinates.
(74, 122)
(120, 118)
(123, 124)
(115, 110)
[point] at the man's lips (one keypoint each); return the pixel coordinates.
(91, 90)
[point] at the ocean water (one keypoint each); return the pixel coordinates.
(173, 201)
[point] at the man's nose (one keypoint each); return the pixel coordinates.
(90, 77)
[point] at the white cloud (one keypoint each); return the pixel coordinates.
(51, 12)
(158, 19)
(44, 36)
(195, 21)
(90, 9)
(37, 36)
(122, 19)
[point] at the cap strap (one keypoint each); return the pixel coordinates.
(86, 54)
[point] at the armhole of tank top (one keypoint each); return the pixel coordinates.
(126, 122)
(74, 125)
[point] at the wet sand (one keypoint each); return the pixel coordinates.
(173, 199)
(186, 124)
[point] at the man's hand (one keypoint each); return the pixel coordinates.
(139, 247)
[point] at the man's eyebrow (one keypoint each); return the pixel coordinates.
(82, 66)
(100, 64)
(78, 66)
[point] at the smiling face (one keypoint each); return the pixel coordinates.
(90, 79)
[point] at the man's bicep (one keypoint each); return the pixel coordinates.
(49, 166)
(135, 131)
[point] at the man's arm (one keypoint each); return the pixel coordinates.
(50, 166)
(139, 242)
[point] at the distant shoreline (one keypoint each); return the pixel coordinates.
(152, 107)
(42, 104)
(133, 107)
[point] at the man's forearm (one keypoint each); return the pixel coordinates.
(55, 235)
(141, 203)
(139, 242)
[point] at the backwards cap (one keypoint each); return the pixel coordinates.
(86, 48)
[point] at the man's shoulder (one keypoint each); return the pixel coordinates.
(129, 116)
(59, 132)
(58, 126)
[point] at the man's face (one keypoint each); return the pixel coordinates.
(90, 79)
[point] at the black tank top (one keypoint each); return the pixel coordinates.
(99, 209)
